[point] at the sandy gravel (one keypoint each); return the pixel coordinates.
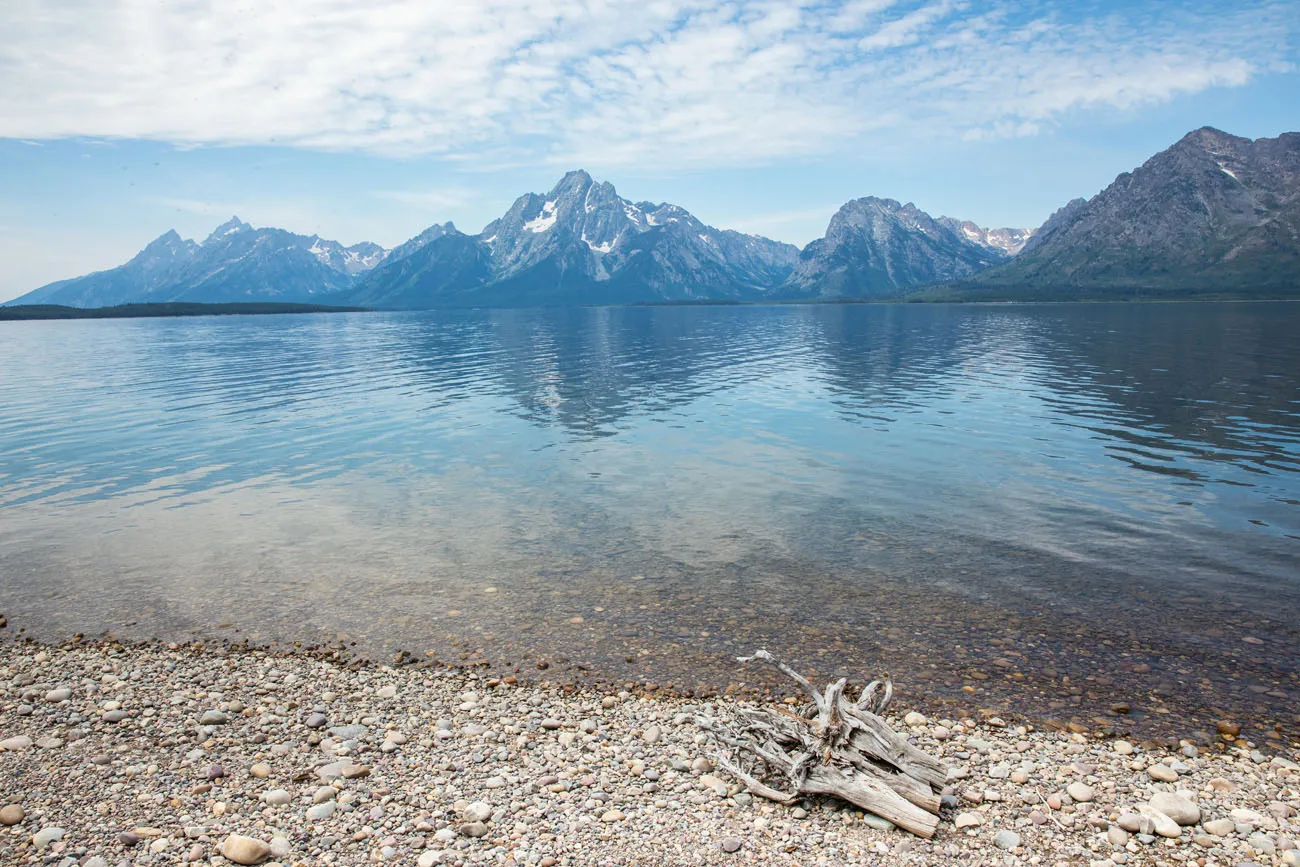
(163, 755)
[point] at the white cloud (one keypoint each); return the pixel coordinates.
(907, 29)
(195, 218)
(606, 82)
(275, 212)
(446, 197)
(803, 224)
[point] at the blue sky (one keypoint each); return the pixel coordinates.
(120, 119)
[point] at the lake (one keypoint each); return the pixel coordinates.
(1082, 512)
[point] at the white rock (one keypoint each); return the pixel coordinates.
(1165, 826)
(320, 812)
(18, 742)
(1220, 827)
(47, 835)
(477, 812)
(1242, 816)
(1180, 809)
(1006, 840)
(1080, 792)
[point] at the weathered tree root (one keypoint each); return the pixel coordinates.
(833, 746)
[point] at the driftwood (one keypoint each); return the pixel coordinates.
(833, 746)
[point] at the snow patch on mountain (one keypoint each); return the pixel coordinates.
(543, 221)
(321, 254)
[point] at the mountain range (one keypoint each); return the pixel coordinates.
(235, 263)
(1213, 214)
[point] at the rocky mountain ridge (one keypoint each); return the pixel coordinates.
(235, 263)
(878, 248)
(1009, 242)
(580, 243)
(1214, 213)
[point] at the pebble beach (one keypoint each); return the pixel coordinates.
(167, 754)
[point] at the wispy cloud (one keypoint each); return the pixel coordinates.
(302, 215)
(446, 197)
(200, 207)
(782, 222)
(609, 82)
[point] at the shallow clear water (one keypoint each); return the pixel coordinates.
(996, 497)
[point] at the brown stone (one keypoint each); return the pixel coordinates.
(245, 850)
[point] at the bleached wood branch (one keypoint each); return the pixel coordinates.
(834, 747)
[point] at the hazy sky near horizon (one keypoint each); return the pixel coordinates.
(121, 119)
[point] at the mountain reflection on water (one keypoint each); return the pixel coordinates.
(994, 497)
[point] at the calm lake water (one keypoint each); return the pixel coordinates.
(1045, 508)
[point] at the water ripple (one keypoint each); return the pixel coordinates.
(1157, 443)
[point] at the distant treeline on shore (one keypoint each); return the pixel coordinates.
(169, 308)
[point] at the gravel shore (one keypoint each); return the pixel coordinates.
(157, 754)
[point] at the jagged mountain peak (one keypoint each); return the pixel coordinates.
(1208, 138)
(877, 204)
(230, 227)
(428, 236)
(165, 253)
(582, 243)
(878, 247)
(577, 179)
(169, 240)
